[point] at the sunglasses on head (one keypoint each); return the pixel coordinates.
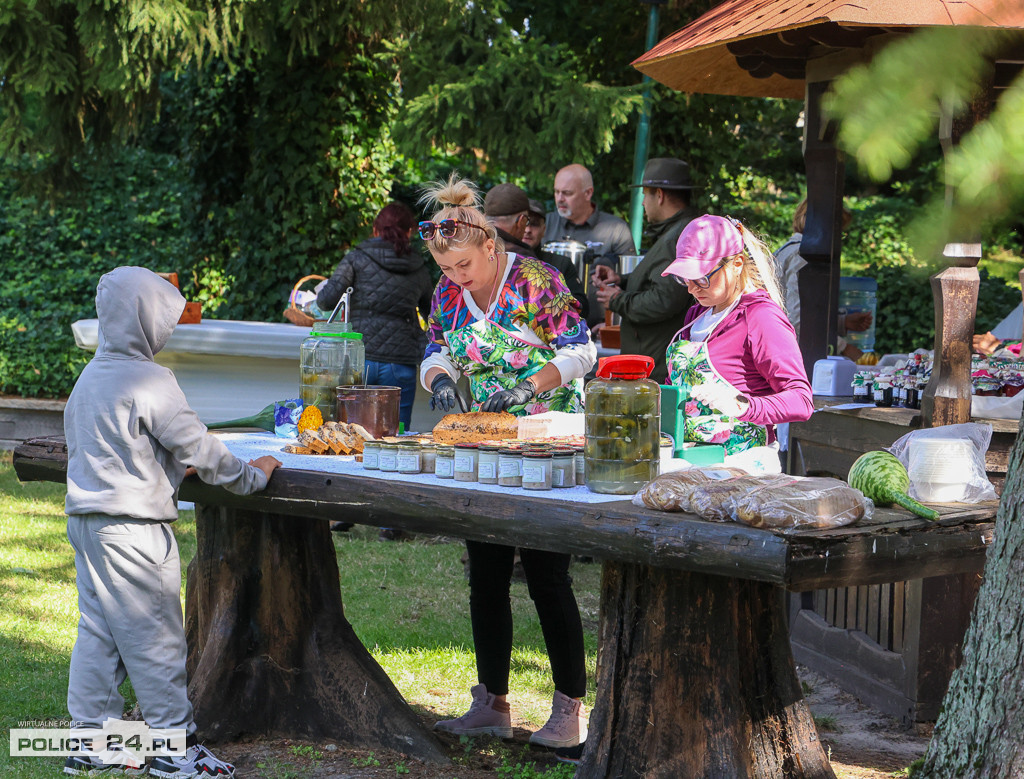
(703, 282)
(448, 228)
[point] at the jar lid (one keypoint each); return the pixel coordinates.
(489, 447)
(467, 446)
(344, 334)
(445, 449)
(409, 443)
(537, 454)
(509, 450)
(625, 366)
(563, 451)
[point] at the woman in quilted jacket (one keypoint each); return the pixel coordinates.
(389, 281)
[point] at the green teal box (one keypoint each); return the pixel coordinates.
(672, 424)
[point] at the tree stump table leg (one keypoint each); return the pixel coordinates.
(270, 650)
(696, 678)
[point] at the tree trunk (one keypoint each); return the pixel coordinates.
(696, 679)
(980, 731)
(270, 650)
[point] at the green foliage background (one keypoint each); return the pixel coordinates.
(284, 127)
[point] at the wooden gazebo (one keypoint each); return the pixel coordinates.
(780, 48)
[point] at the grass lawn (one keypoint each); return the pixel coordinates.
(408, 602)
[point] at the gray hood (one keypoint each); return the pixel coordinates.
(137, 313)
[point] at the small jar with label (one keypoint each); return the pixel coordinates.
(537, 469)
(882, 393)
(371, 455)
(408, 458)
(510, 467)
(466, 462)
(389, 458)
(428, 456)
(444, 462)
(487, 463)
(581, 466)
(563, 467)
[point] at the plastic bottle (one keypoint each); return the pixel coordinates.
(623, 421)
(330, 356)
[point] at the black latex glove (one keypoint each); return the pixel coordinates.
(516, 396)
(446, 394)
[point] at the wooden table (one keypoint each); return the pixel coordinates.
(896, 644)
(695, 672)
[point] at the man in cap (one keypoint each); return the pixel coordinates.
(534, 235)
(651, 306)
(507, 207)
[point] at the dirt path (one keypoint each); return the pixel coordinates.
(862, 743)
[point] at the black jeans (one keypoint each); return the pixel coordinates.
(550, 587)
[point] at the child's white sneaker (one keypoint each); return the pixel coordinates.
(197, 762)
(110, 762)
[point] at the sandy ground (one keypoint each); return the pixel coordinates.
(862, 744)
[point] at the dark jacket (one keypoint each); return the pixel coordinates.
(652, 307)
(386, 291)
(559, 262)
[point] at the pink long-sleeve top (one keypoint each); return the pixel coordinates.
(755, 349)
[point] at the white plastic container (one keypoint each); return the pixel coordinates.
(939, 468)
(833, 376)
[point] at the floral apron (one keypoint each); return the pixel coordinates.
(495, 359)
(689, 364)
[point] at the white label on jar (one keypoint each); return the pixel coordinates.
(371, 460)
(464, 462)
(509, 468)
(388, 461)
(444, 466)
(533, 472)
(487, 470)
(557, 477)
(409, 461)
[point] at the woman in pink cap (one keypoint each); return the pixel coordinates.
(736, 353)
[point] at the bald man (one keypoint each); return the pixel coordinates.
(576, 218)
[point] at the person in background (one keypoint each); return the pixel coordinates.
(510, 324)
(789, 262)
(534, 234)
(390, 282)
(736, 351)
(130, 437)
(652, 307)
(507, 207)
(576, 217)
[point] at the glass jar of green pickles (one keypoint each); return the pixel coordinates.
(332, 354)
(623, 422)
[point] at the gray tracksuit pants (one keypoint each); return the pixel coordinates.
(129, 588)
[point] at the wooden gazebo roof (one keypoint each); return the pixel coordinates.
(760, 48)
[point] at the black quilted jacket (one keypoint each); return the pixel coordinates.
(386, 291)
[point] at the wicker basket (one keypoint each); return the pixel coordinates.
(293, 313)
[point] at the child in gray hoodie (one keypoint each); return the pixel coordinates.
(131, 435)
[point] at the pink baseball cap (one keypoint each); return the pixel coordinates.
(702, 244)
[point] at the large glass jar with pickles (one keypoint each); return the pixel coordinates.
(332, 355)
(623, 422)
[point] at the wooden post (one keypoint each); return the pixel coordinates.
(696, 679)
(947, 398)
(822, 237)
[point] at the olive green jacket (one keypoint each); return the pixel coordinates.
(652, 307)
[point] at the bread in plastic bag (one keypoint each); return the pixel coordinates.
(671, 491)
(802, 504)
(946, 464)
(715, 500)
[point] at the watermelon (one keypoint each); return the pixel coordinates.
(881, 477)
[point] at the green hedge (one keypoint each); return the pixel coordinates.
(128, 212)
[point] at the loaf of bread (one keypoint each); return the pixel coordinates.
(802, 504)
(671, 491)
(475, 426)
(716, 499)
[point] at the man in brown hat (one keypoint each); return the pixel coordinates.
(507, 207)
(534, 235)
(652, 307)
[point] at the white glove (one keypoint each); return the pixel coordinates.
(727, 399)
